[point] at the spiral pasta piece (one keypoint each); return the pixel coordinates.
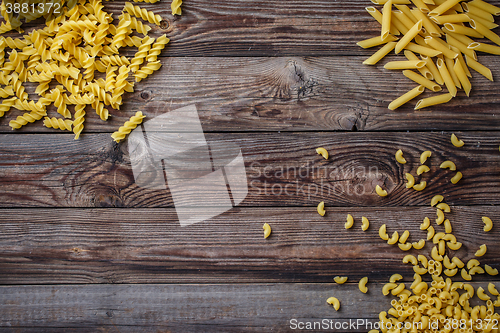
(135, 24)
(141, 54)
(128, 126)
(79, 99)
(101, 111)
(155, 50)
(122, 31)
(26, 118)
(6, 105)
(147, 70)
(176, 7)
(7, 91)
(58, 123)
(79, 119)
(142, 13)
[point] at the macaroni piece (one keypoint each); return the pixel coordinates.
(472, 263)
(395, 278)
(425, 224)
(482, 296)
(321, 208)
(418, 245)
(423, 168)
(386, 289)
(447, 226)
(399, 157)
(398, 289)
(350, 222)
(423, 260)
(362, 285)
(409, 258)
(488, 224)
(335, 302)
(365, 223)
(476, 270)
(383, 233)
(424, 156)
(490, 270)
(404, 237)
(492, 288)
(455, 141)
(393, 239)
(465, 275)
(323, 152)
(420, 186)
(455, 179)
(444, 207)
(451, 272)
(458, 262)
(448, 165)
(435, 254)
(481, 251)
(454, 246)
(440, 216)
(405, 246)
(430, 233)
(419, 270)
(410, 180)
(436, 199)
(340, 279)
(267, 230)
(380, 191)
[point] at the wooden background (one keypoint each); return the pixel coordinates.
(84, 249)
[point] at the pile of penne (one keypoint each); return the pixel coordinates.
(435, 37)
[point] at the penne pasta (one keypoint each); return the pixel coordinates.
(423, 70)
(408, 37)
(486, 7)
(454, 18)
(421, 6)
(422, 50)
(480, 68)
(449, 65)
(463, 30)
(371, 42)
(486, 48)
(433, 69)
(448, 4)
(422, 81)
(482, 30)
(410, 64)
(435, 100)
(407, 12)
(486, 23)
(400, 101)
(404, 20)
(469, 8)
(462, 76)
(397, 24)
(461, 60)
(378, 16)
(382, 52)
(383, 2)
(456, 8)
(460, 46)
(445, 74)
(386, 19)
(435, 44)
(427, 23)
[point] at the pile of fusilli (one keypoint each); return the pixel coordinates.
(70, 51)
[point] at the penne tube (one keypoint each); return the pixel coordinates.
(421, 6)
(408, 37)
(480, 68)
(423, 70)
(462, 30)
(401, 17)
(420, 40)
(462, 38)
(410, 64)
(399, 2)
(478, 12)
(487, 24)
(386, 19)
(460, 46)
(427, 51)
(429, 2)
(406, 97)
(448, 4)
(433, 69)
(485, 32)
(464, 80)
(457, 7)
(455, 18)
(435, 44)
(397, 24)
(406, 10)
(486, 7)
(435, 100)
(445, 74)
(378, 16)
(428, 25)
(371, 42)
(462, 61)
(486, 48)
(422, 80)
(377, 56)
(449, 64)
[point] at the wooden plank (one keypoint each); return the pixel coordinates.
(242, 28)
(60, 246)
(264, 94)
(191, 308)
(53, 170)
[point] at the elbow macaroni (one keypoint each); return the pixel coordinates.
(362, 285)
(399, 157)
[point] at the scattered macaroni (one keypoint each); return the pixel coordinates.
(383, 233)
(481, 251)
(455, 141)
(430, 232)
(364, 223)
(423, 168)
(380, 191)
(399, 157)
(455, 179)
(321, 208)
(424, 156)
(335, 302)
(362, 285)
(405, 246)
(421, 186)
(410, 180)
(488, 224)
(440, 216)
(418, 245)
(395, 278)
(350, 222)
(444, 207)
(323, 152)
(404, 237)
(394, 238)
(267, 230)
(448, 165)
(436, 199)
(340, 279)
(425, 224)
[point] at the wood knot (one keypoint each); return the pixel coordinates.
(146, 95)
(164, 25)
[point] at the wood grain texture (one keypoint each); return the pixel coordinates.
(270, 94)
(67, 246)
(282, 170)
(190, 308)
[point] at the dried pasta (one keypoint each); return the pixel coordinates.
(176, 9)
(399, 157)
(362, 285)
(321, 208)
(350, 222)
(323, 152)
(340, 279)
(365, 224)
(410, 180)
(481, 251)
(335, 302)
(488, 224)
(381, 192)
(128, 126)
(267, 230)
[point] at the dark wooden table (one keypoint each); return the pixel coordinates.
(84, 249)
